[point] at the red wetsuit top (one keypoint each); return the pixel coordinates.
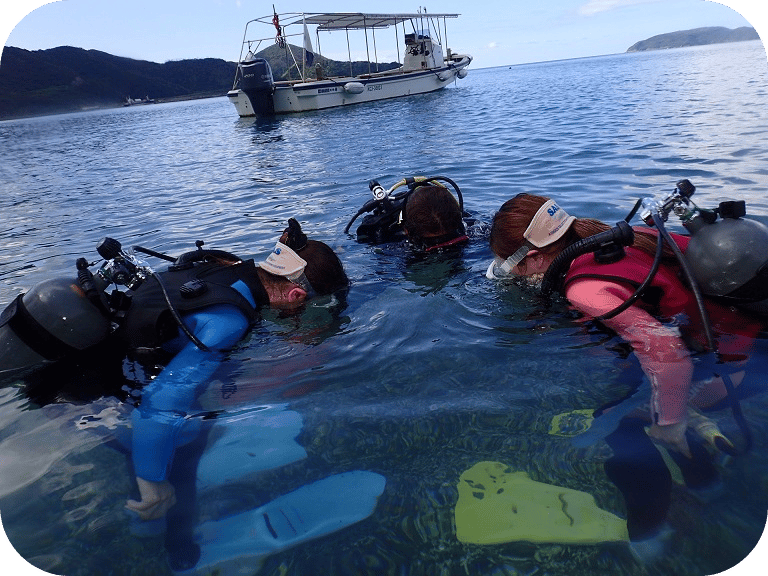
(658, 342)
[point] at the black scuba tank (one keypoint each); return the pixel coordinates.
(52, 320)
(729, 256)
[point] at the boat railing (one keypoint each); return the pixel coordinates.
(294, 20)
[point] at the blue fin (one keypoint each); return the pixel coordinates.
(240, 445)
(238, 544)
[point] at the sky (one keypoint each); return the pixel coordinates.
(495, 33)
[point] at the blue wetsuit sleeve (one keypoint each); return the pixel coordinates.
(161, 422)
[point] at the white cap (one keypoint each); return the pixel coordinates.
(548, 225)
(284, 262)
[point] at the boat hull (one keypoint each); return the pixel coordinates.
(334, 92)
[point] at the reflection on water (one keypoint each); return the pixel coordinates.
(427, 368)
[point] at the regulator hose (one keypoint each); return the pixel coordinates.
(621, 234)
(452, 183)
(369, 207)
(640, 289)
(738, 415)
(177, 317)
(692, 284)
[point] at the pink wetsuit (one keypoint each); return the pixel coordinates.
(595, 289)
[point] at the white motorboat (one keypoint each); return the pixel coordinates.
(425, 68)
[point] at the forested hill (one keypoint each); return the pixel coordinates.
(67, 79)
(695, 37)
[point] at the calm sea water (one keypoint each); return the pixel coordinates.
(430, 368)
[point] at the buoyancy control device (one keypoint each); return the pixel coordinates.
(64, 316)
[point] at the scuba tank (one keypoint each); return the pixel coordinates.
(52, 320)
(62, 316)
(728, 256)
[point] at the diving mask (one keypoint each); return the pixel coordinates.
(548, 225)
(283, 261)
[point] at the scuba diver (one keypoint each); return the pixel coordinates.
(426, 215)
(670, 297)
(183, 319)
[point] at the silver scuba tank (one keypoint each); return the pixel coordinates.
(53, 319)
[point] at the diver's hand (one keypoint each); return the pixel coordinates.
(671, 436)
(156, 499)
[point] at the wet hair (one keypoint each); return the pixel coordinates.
(324, 270)
(432, 211)
(514, 216)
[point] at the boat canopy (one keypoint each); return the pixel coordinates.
(360, 21)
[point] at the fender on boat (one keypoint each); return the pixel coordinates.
(354, 87)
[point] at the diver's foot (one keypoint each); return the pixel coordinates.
(156, 499)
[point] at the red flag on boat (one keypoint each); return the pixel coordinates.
(279, 40)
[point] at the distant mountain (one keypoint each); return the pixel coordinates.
(67, 79)
(695, 37)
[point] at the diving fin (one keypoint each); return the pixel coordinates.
(238, 544)
(243, 444)
(573, 423)
(608, 420)
(239, 446)
(498, 505)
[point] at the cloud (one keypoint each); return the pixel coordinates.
(597, 6)
(493, 45)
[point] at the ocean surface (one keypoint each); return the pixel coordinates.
(429, 368)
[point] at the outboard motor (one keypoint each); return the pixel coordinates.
(258, 84)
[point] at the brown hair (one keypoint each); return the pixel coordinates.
(324, 270)
(514, 216)
(431, 211)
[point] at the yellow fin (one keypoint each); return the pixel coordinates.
(572, 423)
(498, 505)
